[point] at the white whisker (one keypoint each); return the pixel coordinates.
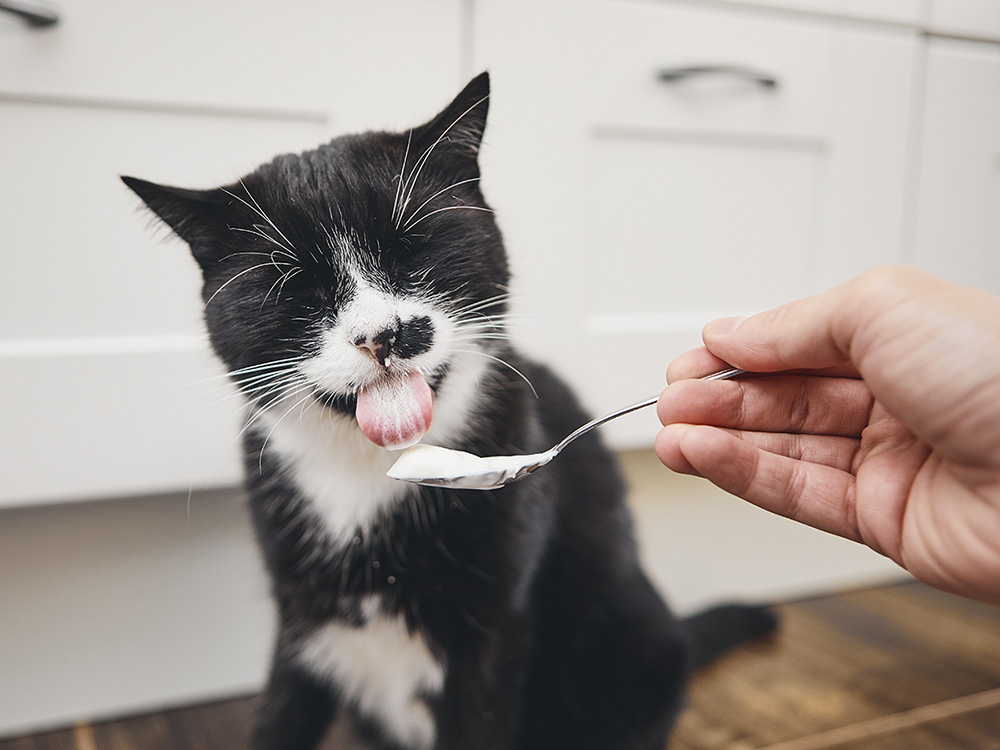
(280, 284)
(439, 192)
(241, 273)
(262, 367)
(258, 233)
(297, 404)
(399, 183)
(418, 167)
(501, 362)
(256, 252)
(260, 211)
(410, 226)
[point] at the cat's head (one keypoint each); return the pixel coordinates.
(354, 277)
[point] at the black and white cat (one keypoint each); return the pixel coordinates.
(357, 294)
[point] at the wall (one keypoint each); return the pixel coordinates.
(122, 605)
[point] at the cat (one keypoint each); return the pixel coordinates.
(357, 294)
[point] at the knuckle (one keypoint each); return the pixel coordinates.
(795, 486)
(799, 405)
(794, 447)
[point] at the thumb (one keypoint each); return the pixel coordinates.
(821, 331)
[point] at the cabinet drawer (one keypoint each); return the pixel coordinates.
(638, 42)
(136, 418)
(299, 55)
(223, 53)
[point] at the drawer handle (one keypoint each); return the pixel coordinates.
(37, 15)
(680, 73)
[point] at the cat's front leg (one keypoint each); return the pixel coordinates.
(480, 706)
(296, 709)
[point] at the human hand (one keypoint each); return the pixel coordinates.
(884, 426)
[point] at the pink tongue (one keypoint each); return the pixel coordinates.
(396, 412)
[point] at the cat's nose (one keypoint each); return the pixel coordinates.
(379, 345)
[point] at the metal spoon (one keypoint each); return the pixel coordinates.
(441, 467)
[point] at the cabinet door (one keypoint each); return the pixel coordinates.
(108, 385)
(637, 209)
(958, 200)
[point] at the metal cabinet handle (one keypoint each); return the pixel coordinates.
(681, 73)
(37, 15)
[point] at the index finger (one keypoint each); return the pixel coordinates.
(791, 404)
(697, 363)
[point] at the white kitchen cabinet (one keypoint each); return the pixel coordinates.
(109, 389)
(637, 209)
(957, 215)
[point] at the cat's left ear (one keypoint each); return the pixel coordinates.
(196, 216)
(458, 129)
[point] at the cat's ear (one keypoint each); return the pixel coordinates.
(197, 216)
(458, 129)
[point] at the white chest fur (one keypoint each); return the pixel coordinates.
(382, 670)
(340, 471)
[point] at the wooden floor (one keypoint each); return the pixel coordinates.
(896, 668)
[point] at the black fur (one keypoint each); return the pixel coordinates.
(531, 596)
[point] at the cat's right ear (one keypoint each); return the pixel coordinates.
(457, 131)
(196, 216)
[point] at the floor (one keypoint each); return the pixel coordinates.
(900, 667)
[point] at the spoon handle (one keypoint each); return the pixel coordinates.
(729, 372)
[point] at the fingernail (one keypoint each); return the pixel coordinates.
(723, 326)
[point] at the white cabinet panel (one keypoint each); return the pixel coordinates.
(87, 263)
(128, 420)
(958, 205)
(101, 338)
(870, 151)
(300, 55)
(222, 53)
(680, 226)
(638, 41)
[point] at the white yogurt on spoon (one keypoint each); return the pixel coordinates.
(441, 467)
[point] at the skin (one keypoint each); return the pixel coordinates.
(883, 425)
